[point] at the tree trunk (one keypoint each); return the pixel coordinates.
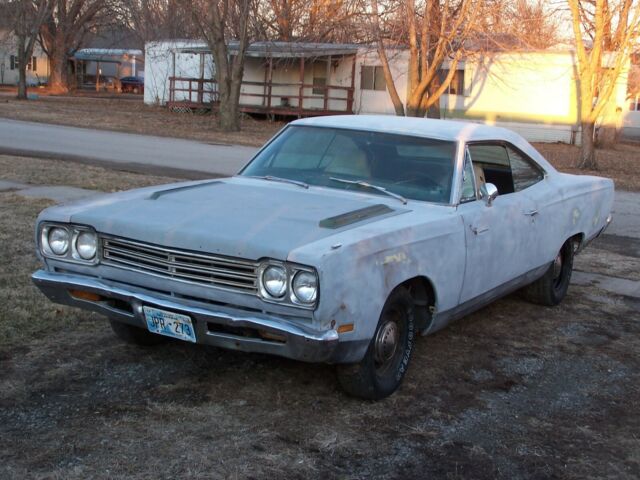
(58, 76)
(229, 113)
(588, 150)
(22, 69)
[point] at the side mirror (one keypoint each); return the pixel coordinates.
(488, 192)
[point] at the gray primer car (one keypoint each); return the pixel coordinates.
(339, 241)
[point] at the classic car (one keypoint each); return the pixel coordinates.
(340, 241)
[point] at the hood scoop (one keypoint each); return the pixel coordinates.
(160, 193)
(355, 216)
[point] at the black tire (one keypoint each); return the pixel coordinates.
(136, 335)
(551, 288)
(383, 367)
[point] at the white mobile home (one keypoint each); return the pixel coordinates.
(533, 93)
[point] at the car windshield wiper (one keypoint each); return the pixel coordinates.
(271, 178)
(363, 183)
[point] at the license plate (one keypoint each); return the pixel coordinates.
(170, 324)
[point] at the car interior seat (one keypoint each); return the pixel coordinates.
(480, 177)
(347, 158)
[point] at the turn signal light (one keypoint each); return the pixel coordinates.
(347, 327)
(80, 295)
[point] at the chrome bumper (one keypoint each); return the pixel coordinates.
(219, 326)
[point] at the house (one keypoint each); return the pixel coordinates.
(102, 67)
(107, 55)
(37, 67)
(631, 121)
(301, 79)
(531, 92)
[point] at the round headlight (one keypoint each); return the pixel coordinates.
(305, 287)
(87, 245)
(274, 280)
(58, 239)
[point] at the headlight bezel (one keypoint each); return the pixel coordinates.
(71, 255)
(289, 298)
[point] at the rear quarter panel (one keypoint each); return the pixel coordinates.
(575, 205)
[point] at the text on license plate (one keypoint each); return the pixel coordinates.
(169, 323)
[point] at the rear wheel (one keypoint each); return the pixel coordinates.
(383, 367)
(135, 335)
(552, 287)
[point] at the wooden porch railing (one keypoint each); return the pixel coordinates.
(270, 97)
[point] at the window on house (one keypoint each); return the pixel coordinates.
(372, 78)
(33, 64)
(456, 87)
(13, 63)
(635, 104)
(319, 78)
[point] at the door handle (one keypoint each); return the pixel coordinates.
(531, 213)
(478, 230)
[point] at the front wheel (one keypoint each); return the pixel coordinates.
(551, 288)
(383, 367)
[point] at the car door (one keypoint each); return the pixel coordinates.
(530, 182)
(498, 235)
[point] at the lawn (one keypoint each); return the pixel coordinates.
(514, 391)
(129, 114)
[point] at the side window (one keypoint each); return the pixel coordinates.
(523, 171)
(468, 193)
(492, 161)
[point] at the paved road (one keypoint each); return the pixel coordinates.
(138, 152)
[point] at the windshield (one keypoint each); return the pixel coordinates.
(410, 167)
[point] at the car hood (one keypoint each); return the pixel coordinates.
(240, 217)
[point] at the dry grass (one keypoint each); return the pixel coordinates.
(620, 163)
(23, 313)
(56, 172)
(132, 115)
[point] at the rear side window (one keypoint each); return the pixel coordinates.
(504, 166)
(523, 171)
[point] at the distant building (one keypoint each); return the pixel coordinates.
(533, 92)
(37, 67)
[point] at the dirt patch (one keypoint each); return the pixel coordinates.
(514, 391)
(133, 116)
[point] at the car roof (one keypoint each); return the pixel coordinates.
(451, 130)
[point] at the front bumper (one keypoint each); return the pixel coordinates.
(219, 326)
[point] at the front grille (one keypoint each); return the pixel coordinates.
(222, 272)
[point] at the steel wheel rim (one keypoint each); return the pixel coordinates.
(387, 352)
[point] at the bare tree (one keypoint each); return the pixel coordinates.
(63, 32)
(27, 17)
(156, 19)
(435, 32)
(605, 33)
(311, 20)
(222, 23)
(517, 24)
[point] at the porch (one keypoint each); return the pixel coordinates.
(280, 78)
